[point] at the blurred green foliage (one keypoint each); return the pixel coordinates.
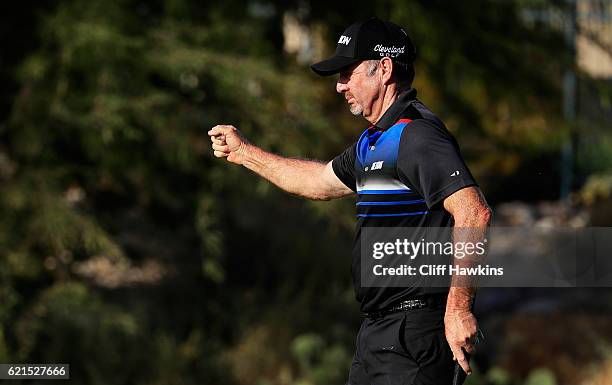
(129, 252)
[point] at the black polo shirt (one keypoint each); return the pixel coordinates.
(402, 169)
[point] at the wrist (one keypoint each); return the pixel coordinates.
(253, 157)
(245, 153)
(457, 313)
(244, 149)
(460, 299)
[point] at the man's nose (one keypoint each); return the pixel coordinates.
(341, 87)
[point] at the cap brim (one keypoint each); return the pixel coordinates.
(333, 65)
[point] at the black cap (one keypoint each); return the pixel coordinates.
(367, 40)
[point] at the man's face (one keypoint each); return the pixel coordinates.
(360, 90)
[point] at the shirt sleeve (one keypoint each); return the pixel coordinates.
(344, 167)
(429, 160)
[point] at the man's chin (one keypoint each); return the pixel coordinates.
(356, 110)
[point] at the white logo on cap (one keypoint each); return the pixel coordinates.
(344, 40)
(392, 51)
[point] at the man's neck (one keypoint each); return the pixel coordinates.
(389, 96)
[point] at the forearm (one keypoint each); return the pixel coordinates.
(296, 176)
(468, 230)
(307, 178)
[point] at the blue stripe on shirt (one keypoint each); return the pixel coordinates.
(390, 203)
(393, 215)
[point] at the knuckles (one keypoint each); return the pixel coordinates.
(223, 128)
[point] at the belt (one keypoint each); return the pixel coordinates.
(408, 304)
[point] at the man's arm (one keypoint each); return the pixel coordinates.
(472, 216)
(306, 178)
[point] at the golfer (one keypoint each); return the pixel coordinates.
(406, 171)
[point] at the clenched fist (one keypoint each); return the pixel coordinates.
(227, 142)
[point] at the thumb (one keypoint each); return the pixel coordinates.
(220, 130)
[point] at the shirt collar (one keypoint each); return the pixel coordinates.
(395, 110)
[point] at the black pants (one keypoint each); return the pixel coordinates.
(403, 348)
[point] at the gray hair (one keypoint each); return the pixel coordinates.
(372, 67)
(402, 72)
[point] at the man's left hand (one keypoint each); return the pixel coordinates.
(461, 331)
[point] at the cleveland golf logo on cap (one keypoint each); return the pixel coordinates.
(344, 40)
(392, 51)
(371, 39)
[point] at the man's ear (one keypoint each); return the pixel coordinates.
(386, 67)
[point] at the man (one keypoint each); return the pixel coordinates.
(407, 171)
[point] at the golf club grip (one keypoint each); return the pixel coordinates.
(459, 376)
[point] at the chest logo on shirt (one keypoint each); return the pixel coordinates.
(377, 165)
